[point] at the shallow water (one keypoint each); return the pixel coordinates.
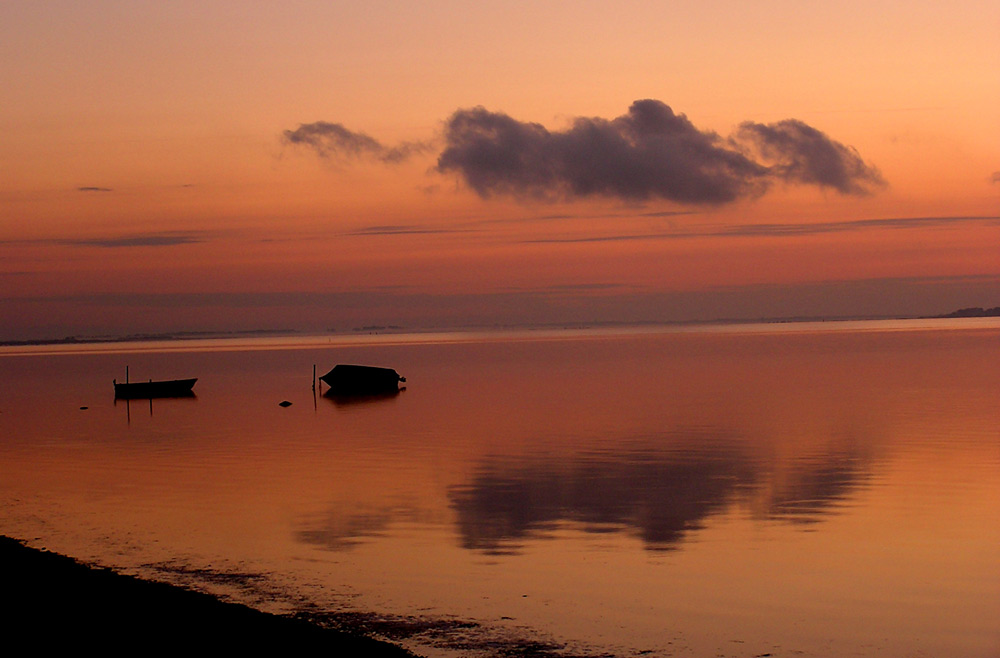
(817, 490)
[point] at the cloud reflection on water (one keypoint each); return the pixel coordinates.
(658, 495)
(339, 531)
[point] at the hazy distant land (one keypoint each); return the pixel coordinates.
(136, 338)
(970, 312)
(973, 312)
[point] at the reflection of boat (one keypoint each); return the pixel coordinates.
(361, 380)
(170, 388)
(357, 399)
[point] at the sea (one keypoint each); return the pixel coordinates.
(800, 489)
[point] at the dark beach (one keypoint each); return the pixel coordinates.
(54, 602)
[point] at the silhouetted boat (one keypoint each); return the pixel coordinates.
(170, 388)
(361, 380)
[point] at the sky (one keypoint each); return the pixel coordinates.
(315, 166)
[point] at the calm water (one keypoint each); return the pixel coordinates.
(807, 490)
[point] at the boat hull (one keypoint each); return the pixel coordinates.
(172, 388)
(361, 380)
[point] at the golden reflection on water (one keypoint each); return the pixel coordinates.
(687, 493)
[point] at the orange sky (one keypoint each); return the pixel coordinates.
(147, 186)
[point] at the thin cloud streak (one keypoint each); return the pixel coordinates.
(667, 213)
(88, 188)
(403, 229)
(407, 295)
(333, 140)
(782, 230)
(159, 240)
(141, 240)
(856, 225)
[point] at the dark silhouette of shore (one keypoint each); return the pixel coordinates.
(53, 602)
(973, 312)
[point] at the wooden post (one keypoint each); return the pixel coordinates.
(314, 376)
(126, 374)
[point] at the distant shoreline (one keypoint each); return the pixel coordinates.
(971, 312)
(139, 338)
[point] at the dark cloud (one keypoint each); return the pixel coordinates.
(797, 152)
(995, 178)
(94, 189)
(648, 153)
(332, 140)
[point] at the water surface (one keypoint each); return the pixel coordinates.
(817, 490)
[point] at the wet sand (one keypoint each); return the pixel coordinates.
(54, 602)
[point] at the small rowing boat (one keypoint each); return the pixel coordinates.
(168, 388)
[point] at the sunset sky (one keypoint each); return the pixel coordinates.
(189, 166)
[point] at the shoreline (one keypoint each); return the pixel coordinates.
(307, 341)
(54, 601)
(182, 336)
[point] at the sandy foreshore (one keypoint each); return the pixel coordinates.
(53, 602)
